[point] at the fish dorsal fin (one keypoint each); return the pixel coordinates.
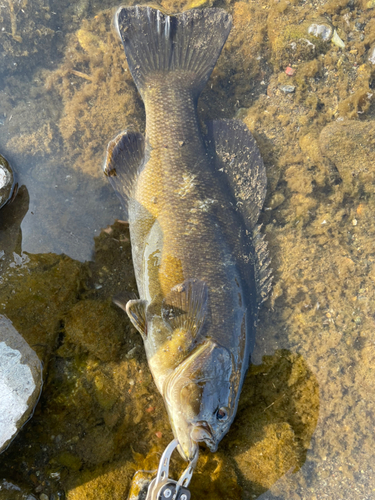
(185, 306)
(136, 310)
(124, 158)
(238, 158)
(263, 271)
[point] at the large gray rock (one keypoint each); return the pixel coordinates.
(20, 381)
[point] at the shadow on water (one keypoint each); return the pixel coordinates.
(10, 226)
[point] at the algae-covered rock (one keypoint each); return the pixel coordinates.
(109, 481)
(216, 476)
(36, 291)
(350, 146)
(20, 381)
(140, 484)
(97, 327)
(276, 200)
(14, 490)
(269, 459)
(277, 415)
(68, 460)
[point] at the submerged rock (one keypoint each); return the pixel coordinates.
(8, 182)
(96, 327)
(371, 56)
(20, 381)
(140, 484)
(336, 40)
(288, 89)
(321, 30)
(325, 32)
(349, 146)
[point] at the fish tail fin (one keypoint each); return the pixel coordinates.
(183, 47)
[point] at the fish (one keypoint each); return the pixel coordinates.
(8, 182)
(192, 199)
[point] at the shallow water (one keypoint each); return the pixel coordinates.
(304, 428)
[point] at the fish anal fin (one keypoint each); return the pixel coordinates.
(136, 310)
(185, 306)
(238, 158)
(122, 163)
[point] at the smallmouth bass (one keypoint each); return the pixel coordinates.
(192, 202)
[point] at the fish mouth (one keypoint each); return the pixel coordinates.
(202, 432)
(188, 453)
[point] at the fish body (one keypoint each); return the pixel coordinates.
(192, 203)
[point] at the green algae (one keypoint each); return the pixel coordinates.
(99, 398)
(109, 481)
(350, 146)
(68, 460)
(36, 292)
(277, 416)
(97, 327)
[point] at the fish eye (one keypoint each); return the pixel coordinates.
(222, 413)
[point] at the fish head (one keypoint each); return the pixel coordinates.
(201, 397)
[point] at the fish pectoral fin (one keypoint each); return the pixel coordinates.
(239, 163)
(185, 306)
(123, 161)
(136, 310)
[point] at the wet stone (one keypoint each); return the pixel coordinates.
(371, 55)
(8, 186)
(288, 89)
(20, 381)
(276, 200)
(323, 31)
(140, 483)
(13, 490)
